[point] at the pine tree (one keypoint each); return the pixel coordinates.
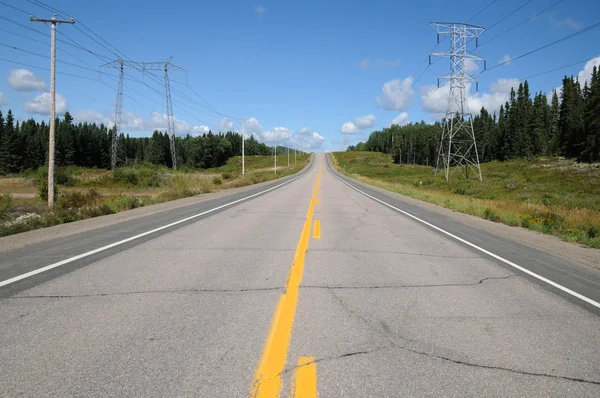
(11, 146)
(592, 119)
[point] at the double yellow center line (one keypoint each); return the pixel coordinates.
(267, 379)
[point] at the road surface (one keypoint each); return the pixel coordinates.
(310, 288)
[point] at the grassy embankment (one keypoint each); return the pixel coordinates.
(553, 196)
(85, 193)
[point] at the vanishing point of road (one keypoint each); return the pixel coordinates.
(309, 285)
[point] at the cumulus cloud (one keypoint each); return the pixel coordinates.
(252, 127)
(363, 122)
(506, 59)
(226, 125)
(586, 73)
(397, 94)
(401, 119)
(137, 122)
(349, 128)
(308, 140)
(471, 66)
(41, 104)
(25, 80)
(3, 100)
(435, 101)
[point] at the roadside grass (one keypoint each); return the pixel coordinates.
(550, 195)
(85, 193)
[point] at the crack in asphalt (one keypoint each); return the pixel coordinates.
(59, 296)
(408, 286)
(392, 252)
(393, 343)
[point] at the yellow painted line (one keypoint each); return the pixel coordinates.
(306, 378)
(267, 378)
(318, 201)
(317, 230)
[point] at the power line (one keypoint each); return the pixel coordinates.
(15, 8)
(523, 5)
(521, 23)
(545, 46)
(484, 8)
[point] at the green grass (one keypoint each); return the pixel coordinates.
(553, 196)
(86, 193)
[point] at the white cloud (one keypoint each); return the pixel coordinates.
(41, 104)
(304, 131)
(506, 59)
(401, 119)
(3, 100)
(397, 95)
(363, 122)
(568, 21)
(25, 80)
(349, 128)
(308, 140)
(135, 121)
(226, 125)
(252, 127)
(435, 101)
(586, 73)
(260, 10)
(199, 130)
(364, 64)
(471, 66)
(387, 63)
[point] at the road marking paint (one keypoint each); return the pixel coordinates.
(132, 238)
(318, 201)
(474, 246)
(306, 378)
(267, 379)
(317, 230)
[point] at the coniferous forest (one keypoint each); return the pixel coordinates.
(25, 146)
(566, 124)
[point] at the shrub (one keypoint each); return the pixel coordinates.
(227, 176)
(592, 231)
(526, 221)
(490, 214)
(43, 190)
(71, 200)
(217, 181)
(6, 203)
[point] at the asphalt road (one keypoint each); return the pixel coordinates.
(310, 287)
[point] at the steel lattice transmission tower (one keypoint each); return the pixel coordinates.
(143, 67)
(118, 110)
(457, 146)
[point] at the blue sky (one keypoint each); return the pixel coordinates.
(307, 71)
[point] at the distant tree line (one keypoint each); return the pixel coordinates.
(568, 125)
(25, 146)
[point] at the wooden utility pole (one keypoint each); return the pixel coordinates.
(53, 23)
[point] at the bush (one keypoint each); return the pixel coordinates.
(526, 221)
(592, 232)
(490, 214)
(6, 203)
(43, 190)
(217, 181)
(140, 177)
(227, 176)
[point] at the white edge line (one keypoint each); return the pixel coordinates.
(110, 246)
(497, 257)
